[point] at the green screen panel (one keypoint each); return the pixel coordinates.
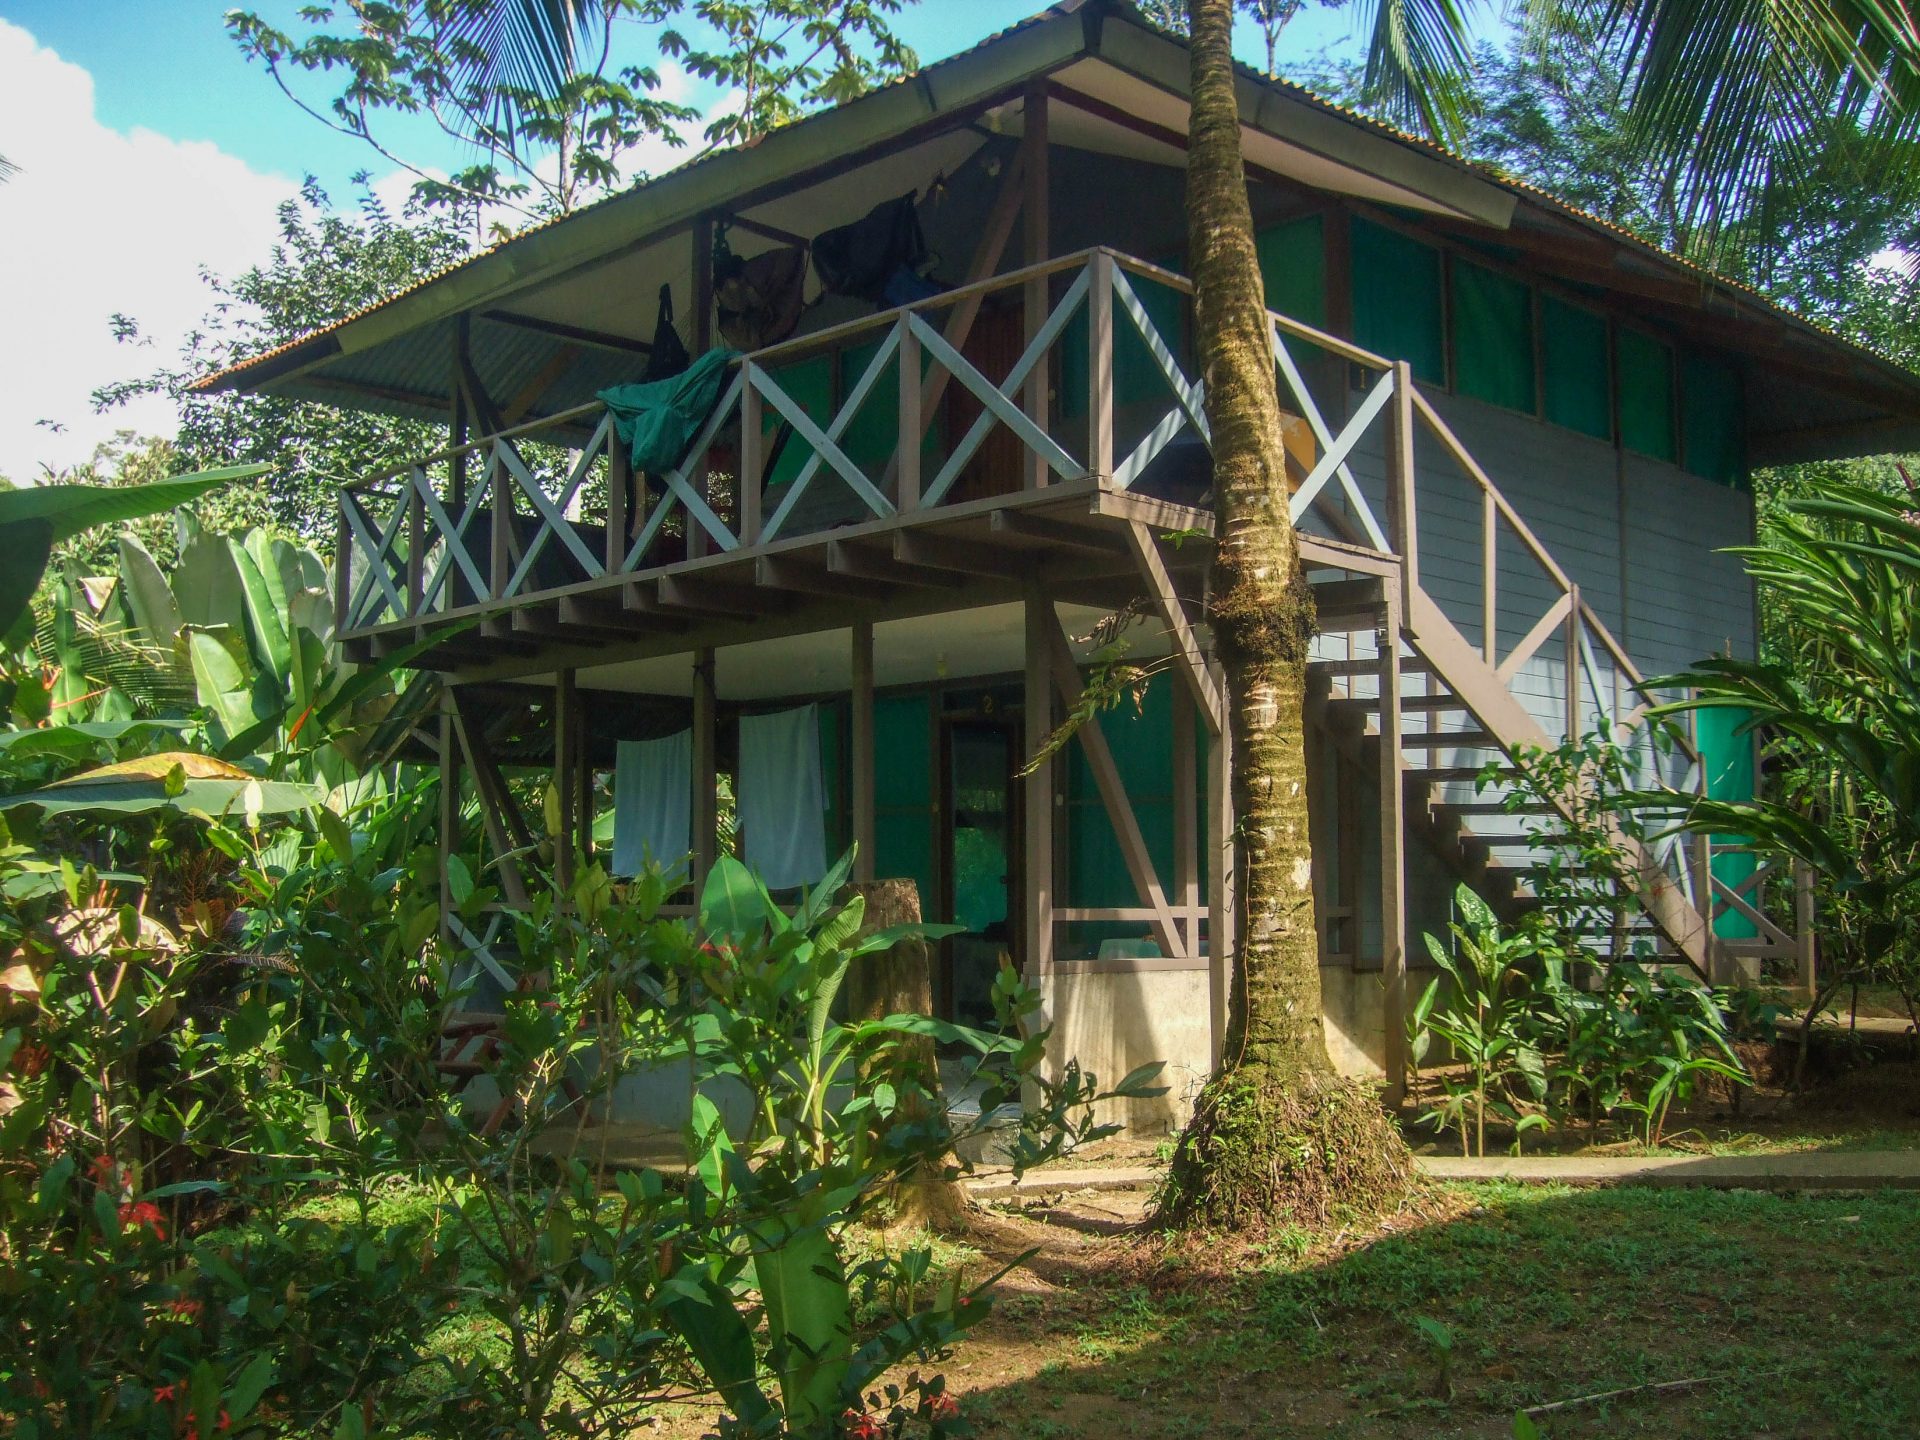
(872, 433)
(903, 791)
(1492, 337)
(1646, 395)
(1293, 269)
(1397, 309)
(1142, 745)
(809, 383)
(1713, 420)
(1730, 776)
(1576, 390)
(1137, 378)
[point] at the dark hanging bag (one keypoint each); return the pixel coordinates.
(669, 356)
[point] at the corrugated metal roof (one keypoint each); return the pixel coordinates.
(264, 369)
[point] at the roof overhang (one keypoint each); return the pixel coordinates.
(565, 283)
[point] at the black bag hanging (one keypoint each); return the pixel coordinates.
(669, 356)
(860, 259)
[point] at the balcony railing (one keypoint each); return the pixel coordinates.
(1005, 385)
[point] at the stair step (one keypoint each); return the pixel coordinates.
(1409, 704)
(1443, 774)
(1490, 807)
(1494, 841)
(1441, 739)
(1409, 665)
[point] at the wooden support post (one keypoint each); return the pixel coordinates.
(449, 810)
(907, 494)
(505, 542)
(416, 546)
(1572, 666)
(1036, 209)
(1490, 567)
(619, 496)
(1036, 790)
(1222, 946)
(860, 730)
(705, 808)
(702, 317)
(751, 463)
(342, 562)
(1403, 521)
(459, 417)
(1186, 837)
(1393, 878)
(1100, 367)
(1803, 925)
(566, 758)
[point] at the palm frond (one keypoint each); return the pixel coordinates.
(1419, 64)
(532, 46)
(1731, 96)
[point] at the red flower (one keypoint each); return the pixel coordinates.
(942, 1407)
(162, 1394)
(862, 1427)
(147, 1213)
(183, 1306)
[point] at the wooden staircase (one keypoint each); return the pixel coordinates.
(1459, 726)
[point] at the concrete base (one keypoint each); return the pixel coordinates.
(1355, 1002)
(1112, 1022)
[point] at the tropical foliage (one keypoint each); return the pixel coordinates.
(1838, 708)
(542, 93)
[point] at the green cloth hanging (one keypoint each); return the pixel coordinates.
(658, 420)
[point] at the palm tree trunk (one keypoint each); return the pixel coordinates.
(1242, 1159)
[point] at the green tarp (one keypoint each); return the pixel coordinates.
(659, 420)
(1492, 337)
(1713, 420)
(1646, 394)
(1397, 310)
(1576, 390)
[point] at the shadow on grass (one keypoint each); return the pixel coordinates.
(1790, 1315)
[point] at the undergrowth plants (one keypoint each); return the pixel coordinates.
(1542, 1034)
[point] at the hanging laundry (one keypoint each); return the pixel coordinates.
(861, 259)
(759, 300)
(658, 420)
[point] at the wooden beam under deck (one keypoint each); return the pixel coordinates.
(953, 557)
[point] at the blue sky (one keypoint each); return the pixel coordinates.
(150, 150)
(170, 67)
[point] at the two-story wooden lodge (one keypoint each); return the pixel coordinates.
(865, 588)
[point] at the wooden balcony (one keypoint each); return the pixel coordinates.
(798, 497)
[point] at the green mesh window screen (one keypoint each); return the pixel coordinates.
(1137, 378)
(870, 436)
(1142, 745)
(1396, 299)
(1646, 395)
(1293, 269)
(903, 791)
(1576, 390)
(1728, 757)
(1492, 337)
(1713, 420)
(809, 383)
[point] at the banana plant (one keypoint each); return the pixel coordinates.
(817, 1147)
(35, 518)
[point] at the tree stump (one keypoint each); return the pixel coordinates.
(900, 982)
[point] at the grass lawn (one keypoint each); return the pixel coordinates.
(1794, 1315)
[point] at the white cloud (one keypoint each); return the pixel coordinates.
(95, 222)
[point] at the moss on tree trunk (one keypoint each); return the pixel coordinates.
(1275, 1133)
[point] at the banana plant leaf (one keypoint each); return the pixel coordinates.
(66, 510)
(149, 598)
(196, 784)
(265, 599)
(206, 582)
